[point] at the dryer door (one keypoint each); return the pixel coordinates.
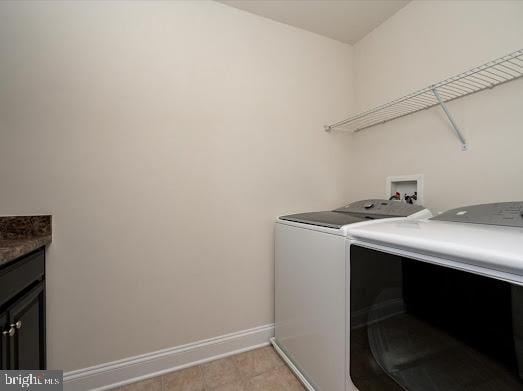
(423, 327)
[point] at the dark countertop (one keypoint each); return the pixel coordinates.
(19, 235)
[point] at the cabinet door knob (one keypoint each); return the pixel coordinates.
(11, 332)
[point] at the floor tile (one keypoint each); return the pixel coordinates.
(274, 357)
(257, 361)
(256, 370)
(279, 379)
(188, 379)
(220, 372)
(289, 380)
(236, 386)
(154, 384)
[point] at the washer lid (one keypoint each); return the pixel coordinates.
(509, 214)
(355, 212)
(325, 219)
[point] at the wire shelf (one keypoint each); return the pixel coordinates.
(489, 75)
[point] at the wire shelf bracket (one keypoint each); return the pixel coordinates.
(451, 119)
(486, 76)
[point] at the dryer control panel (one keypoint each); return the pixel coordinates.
(377, 207)
(503, 213)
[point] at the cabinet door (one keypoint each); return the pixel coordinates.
(27, 349)
(4, 339)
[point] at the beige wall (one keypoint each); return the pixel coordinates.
(425, 42)
(164, 138)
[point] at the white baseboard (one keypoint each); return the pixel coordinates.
(132, 369)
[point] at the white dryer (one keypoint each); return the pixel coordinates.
(437, 304)
(310, 290)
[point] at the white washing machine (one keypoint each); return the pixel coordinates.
(437, 304)
(310, 289)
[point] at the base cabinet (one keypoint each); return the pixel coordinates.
(22, 316)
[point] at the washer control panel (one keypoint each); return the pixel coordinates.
(377, 207)
(504, 213)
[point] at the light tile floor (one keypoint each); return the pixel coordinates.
(256, 370)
